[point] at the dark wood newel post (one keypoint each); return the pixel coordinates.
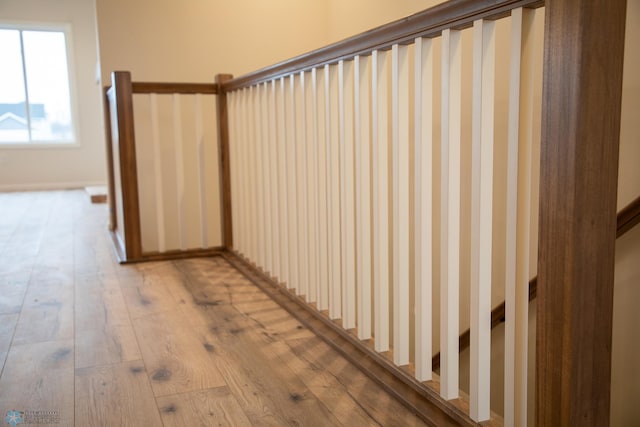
(109, 154)
(584, 47)
(225, 167)
(125, 140)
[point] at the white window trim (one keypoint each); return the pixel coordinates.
(71, 75)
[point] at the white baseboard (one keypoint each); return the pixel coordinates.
(43, 186)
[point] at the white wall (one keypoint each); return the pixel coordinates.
(31, 168)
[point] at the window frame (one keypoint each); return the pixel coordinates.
(66, 29)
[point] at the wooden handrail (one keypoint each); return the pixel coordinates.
(165, 88)
(456, 14)
(627, 218)
(180, 88)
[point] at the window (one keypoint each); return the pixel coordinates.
(35, 96)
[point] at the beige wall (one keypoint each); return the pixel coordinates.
(625, 375)
(30, 168)
(193, 40)
(347, 18)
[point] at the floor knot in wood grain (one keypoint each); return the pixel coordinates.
(161, 374)
(296, 397)
(61, 354)
(170, 409)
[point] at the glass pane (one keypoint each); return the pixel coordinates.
(13, 112)
(48, 82)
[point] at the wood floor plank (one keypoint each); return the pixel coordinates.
(100, 301)
(145, 294)
(97, 347)
(12, 291)
(104, 334)
(251, 369)
(39, 377)
(177, 360)
(212, 282)
(3, 359)
(93, 255)
(374, 400)
(255, 403)
(7, 328)
(203, 408)
(252, 331)
(115, 395)
(55, 257)
(266, 389)
(51, 271)
(326, 387)
(47, 314)
(41, 325)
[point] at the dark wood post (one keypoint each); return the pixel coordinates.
(584, 45)
(225, 167)
(109, 151)
(125, 142)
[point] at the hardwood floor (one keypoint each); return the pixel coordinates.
(175, 343)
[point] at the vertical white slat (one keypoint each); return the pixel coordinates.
(291, 171)
(450, 215)
(251, 173)
(202, 179)
(260, 180)
(347, 197)
(400, 166)
(245, 170)
(241, 173)
(283, 196)
(302, 169)
(311, 142)
(231, 107)
(423, 204)
(380, 146)
(512, 218)
(255, 183)
(362, 97)
(519, 177)
(333, 190)
(319, 90)
(157, 172)
(276, 238)
(179, 153)
(235, 146)
(481, 217)
(266, 171)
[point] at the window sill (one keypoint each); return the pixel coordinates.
(37, 145)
